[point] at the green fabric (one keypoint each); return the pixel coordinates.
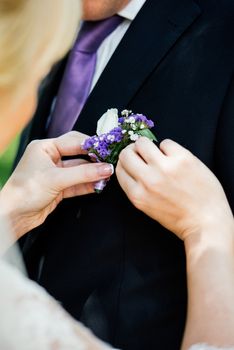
(7, 161)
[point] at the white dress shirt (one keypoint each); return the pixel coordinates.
(110, 44)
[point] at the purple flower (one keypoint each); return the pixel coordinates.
(150, 123)
(103, 152)
(106, 147)
(89, 143)
(140, 118)
(121, 120)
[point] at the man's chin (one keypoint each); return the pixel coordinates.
(90, 16)
(94, 10)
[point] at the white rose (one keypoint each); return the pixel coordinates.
(108, 121)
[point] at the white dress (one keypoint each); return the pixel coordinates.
(32, 320)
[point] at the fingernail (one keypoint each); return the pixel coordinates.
(106, 170)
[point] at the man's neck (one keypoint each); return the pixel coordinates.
(131, 9)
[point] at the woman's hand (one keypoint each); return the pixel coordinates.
(173, 187)
(41, 180)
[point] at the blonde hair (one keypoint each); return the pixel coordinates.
(33, 35)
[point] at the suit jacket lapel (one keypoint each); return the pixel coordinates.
(48, 90)
(154, 31)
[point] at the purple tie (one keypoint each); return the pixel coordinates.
(77, 79)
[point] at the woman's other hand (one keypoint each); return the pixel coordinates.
(173, 187)
(42, 179)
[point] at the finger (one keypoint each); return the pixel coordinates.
(70, 144)
(148, 151)
(172, 148)
(131, 162)
(127, 182)
(84, 173)
(79, 190)
(73, 162)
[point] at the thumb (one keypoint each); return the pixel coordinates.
(84, 173)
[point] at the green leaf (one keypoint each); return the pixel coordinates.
(113, 158)
(147, 133)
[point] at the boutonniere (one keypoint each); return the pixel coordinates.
(114, 133)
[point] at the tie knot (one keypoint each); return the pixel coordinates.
(92, 34)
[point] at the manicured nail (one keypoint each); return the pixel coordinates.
(106, 170)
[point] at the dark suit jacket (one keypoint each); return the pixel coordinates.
(108, 264)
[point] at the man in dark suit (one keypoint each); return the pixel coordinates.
(111, 266)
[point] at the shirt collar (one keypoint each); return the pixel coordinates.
(131, 10)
